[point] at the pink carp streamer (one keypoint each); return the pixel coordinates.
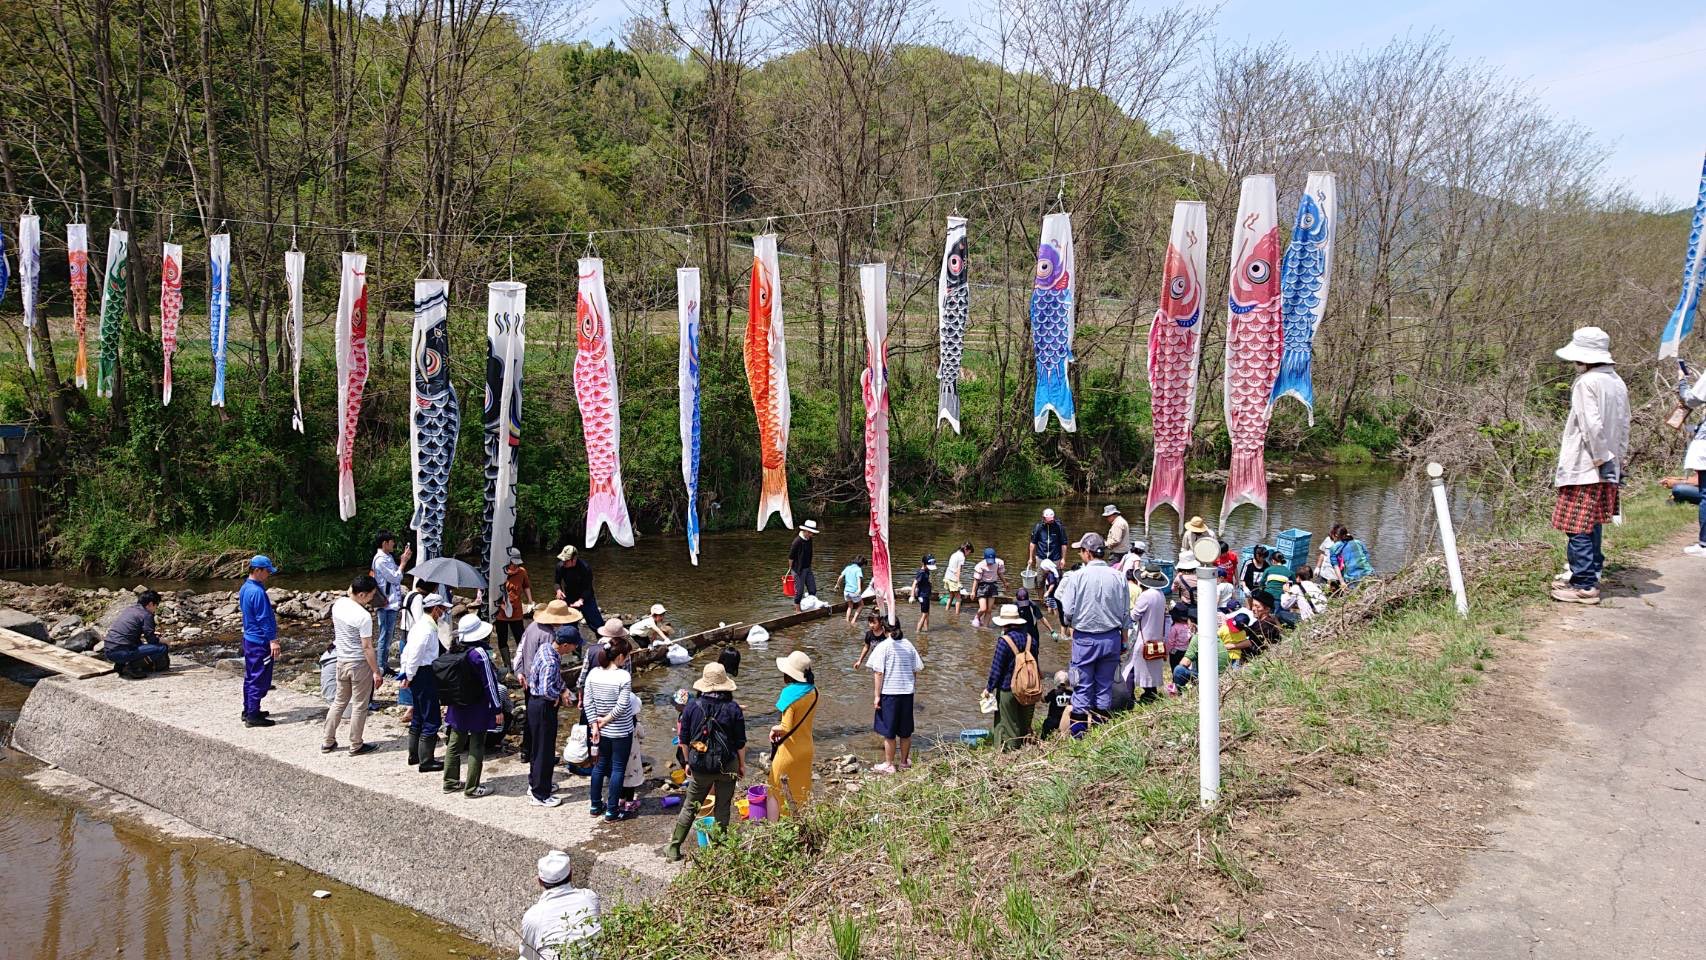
(1255, 340)
(293, 270)
(77, 258)
(1175, 348)
(874, 385)
(352, 371)
(171, 310)
(601, 417)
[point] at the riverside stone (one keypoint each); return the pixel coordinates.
(27, 624)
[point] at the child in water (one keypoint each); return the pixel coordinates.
(923, 592)
(874, 634)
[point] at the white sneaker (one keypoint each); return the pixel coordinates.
(1695, 549)
(883, 768)
(551, 801)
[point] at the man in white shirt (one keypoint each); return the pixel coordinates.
(419, 651)
(1590, 461)
(389, 575)
(565, 913)
(652, 629)
(352, 644)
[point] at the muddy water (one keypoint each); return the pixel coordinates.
(78, 881)
(738, 580)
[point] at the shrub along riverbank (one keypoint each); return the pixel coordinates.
(1098, 847)
(190, 490)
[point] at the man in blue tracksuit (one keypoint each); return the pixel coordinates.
(260, 640)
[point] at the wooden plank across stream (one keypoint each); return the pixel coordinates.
(49, 657)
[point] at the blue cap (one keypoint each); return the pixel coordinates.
(989, 553)
(261, 560)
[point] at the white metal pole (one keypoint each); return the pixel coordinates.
(1448, 538)
(1208, 681)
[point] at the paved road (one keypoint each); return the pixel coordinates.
(1605, 850)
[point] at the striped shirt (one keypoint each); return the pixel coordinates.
(898, 661)
(610, 690)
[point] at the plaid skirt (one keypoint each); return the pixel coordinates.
(1583, 506)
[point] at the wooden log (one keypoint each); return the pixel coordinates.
(49, 657)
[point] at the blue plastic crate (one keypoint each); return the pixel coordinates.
(1295, 545)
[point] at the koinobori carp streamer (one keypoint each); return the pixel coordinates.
(767, 378)
(601, 408)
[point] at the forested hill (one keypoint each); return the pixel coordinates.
(455, 139)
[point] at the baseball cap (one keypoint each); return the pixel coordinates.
(263, 561)
(989, 553)
(1092, 542)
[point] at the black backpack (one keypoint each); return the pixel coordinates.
(459, 680)
(709, 750)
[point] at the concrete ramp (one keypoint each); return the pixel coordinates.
(175, 742)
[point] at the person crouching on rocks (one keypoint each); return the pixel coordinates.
(133, 641)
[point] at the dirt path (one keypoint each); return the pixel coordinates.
(1599, 848)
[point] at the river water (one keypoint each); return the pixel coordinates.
(79, 882)
(75, 883)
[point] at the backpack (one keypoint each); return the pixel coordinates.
(459, 680)
(709, 750)
(1027, 680)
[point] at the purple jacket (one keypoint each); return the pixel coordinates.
(478, 719)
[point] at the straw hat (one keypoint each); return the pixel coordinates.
(567, 553)
(1009, 616)
(715, 680)
(1196, 525)
(613, 628)
(1587, 345)
(794, 665)
(472, 628)
(557, 613)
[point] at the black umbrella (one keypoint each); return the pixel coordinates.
(449, 572)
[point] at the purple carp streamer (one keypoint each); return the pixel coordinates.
(112, 309)
(77, 261)
(434, 416)
(953, 315)
(1053, 323)
(293, 270)
(171, 311)
(687, 378)
(1681, 320)
(29, 279)
(874, 386)
(352, 371)
(601, 408)
(506, 345)
(219, 318)
(1304, 276)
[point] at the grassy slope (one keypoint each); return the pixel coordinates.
(1090, 848)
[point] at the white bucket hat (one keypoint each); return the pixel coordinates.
(1588, 345)
(472, 628)
(555, 867)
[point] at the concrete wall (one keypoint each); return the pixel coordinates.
(176, 743)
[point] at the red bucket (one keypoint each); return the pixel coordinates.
(788, 584)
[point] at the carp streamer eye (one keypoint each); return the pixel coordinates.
(589, 323)
(1257, 271)
(954, 263)
(1044, 268)
(1307, 220)
(1178, 288)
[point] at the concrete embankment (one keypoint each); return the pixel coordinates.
(175, 742)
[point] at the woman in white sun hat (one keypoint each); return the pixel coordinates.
(1590, 461)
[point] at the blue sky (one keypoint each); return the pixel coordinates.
(1633, 72)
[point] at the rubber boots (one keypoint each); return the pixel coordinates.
(428, 746)
(414, 748)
